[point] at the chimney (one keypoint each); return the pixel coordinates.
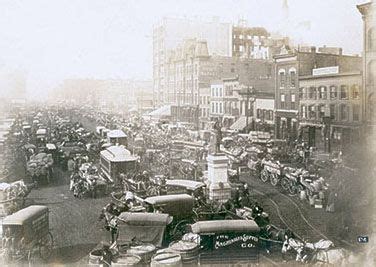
(340, 51)
(313, 49)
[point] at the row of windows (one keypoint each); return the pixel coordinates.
(217, 92)
(287, 79)
(283, 103)
(217, 107)
(204, 100)
(333, 92)
(337, 112)
(264, 114)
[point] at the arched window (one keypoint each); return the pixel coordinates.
(355, 91)
(282, 77)
(323, 92)
(302, 93)
(321, 111)
(312, 112)
(371, 39)
(371, 72)
(344, 92)
(333, 92)
(312, 92)
(292, 72)
(344, 112)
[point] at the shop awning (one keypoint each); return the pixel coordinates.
(239, 124)
(160, 112)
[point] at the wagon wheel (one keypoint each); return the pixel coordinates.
(45, 246)
(31, 257)
(285, 183)
(264, 175)
(293, 189)
(274, 179)
(179, 230)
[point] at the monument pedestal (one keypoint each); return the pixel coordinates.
(219, 188)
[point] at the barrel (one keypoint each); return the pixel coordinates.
(188, 251)
(127, 260)
(145, 251)
(95, 257)
(166, 258)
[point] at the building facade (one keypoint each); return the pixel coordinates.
(330, 108)
(170, 32)
(369, 61)
(255, 42)
(289, 66)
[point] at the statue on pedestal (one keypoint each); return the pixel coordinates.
(217, 138)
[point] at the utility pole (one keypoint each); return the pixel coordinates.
(250, 93)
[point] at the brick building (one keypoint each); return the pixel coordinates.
(330, 107)
(291, 64)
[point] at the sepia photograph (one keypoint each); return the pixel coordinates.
(166, 133)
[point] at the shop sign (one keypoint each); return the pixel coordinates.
(235, 241)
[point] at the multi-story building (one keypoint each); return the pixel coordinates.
(168, 34)
(291, 64)
(369, 62)
(255, 42)
(223, 40)
(191, 70)
(330, 107)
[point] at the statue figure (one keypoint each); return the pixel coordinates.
(218, 137)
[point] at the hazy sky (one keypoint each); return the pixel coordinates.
(53, 40)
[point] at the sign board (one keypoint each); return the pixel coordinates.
(324, 71)
(235, 241)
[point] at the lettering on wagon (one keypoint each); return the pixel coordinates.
(247, 241)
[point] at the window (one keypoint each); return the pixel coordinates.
(292, 77)
(232, 70)
(304, 112)
(312, 112)
(333, 92)
(216, 107)
(333, 111)
(322, 92)
(344, 92)
(344, 112)
(312, 92)
(293, 101)
(371, 72)
(355, 91)
(321, 111)
(356, 112)
(212, 107)
(302, 92)
(258, 112)
(371, 39)
(282, 78)
(283, 103)
(220, 108)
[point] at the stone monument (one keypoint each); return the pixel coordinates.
(219, 188)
